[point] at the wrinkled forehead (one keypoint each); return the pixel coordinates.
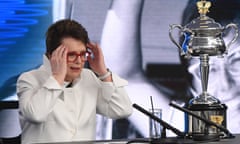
(74, 44)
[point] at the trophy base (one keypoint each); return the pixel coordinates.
(201, 137)
(199, 130)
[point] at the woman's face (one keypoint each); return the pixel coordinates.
(75, 57)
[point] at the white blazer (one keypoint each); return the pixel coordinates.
(52, 113)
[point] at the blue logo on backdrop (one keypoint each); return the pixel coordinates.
(22, 27)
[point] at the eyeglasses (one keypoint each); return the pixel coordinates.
(73, 56)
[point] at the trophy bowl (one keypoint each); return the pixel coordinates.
(203, 36)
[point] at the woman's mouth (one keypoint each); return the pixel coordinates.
(75, 68)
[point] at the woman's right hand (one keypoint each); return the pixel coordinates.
(58, 61)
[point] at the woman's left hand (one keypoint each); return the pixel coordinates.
(96, 62)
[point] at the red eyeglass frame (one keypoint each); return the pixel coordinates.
(83, 55)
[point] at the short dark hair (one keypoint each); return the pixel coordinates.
(62, 29)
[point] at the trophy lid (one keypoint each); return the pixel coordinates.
(203, 22)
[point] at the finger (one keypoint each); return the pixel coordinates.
(60, 51)
(94, 47)
(91, 45)
(65, 51)
(55, 52)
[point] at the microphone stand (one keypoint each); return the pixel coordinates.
(163, 123)
(230, 135)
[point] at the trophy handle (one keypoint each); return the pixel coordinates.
(172, 27)
(235, 27)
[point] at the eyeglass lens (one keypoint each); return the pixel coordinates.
(72, 56)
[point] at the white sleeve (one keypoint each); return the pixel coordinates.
(114, 101)
(36, 101)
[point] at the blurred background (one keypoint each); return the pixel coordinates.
(23, 24)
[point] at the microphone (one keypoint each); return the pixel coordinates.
(203, 119)
(163, 123)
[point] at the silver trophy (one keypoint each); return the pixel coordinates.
(203, 37)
